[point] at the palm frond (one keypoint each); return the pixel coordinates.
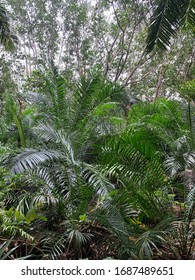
(7, 39)
(56, 90)
(110, 216)
(190, 15)
(3, 247)
(168, 17)
(96, 179)
(146, 243)
(135, 157)
(48, 134)
(52, 249)
(76, 235)
(190, 204)
(7, 254)
(30, 158)
(95, 97)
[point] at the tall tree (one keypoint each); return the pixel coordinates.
(7, 39)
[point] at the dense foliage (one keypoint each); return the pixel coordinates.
(97, 142)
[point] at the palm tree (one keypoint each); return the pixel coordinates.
(92, 173)
(168, 17)
(151, 164)
(60, 175)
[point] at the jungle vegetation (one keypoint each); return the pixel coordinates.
(97, 129)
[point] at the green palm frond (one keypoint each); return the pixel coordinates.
(190, 205)
(95, 97)
(114, 219)
(150, 240)
(56, 183)
(48, 134)
(111, 217)
(3, 247)
(7, 39)
(76, 235)
(52, 249)
(30, 158)
(96, 179)
(16, 116)
(190, 15)
(180, 159)
(135, 157)
(145, 245)
(168, 17)
(8, 254)
(55, 87)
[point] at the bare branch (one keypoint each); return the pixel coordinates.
(109, 53)
(139, 63)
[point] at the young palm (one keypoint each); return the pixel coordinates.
(147, 163)
(61, 171)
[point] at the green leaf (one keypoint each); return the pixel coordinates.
(30, 215)
(82, 218)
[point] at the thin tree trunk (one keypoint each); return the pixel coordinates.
(160, 80)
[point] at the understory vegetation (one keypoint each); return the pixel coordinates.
(97, 146)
